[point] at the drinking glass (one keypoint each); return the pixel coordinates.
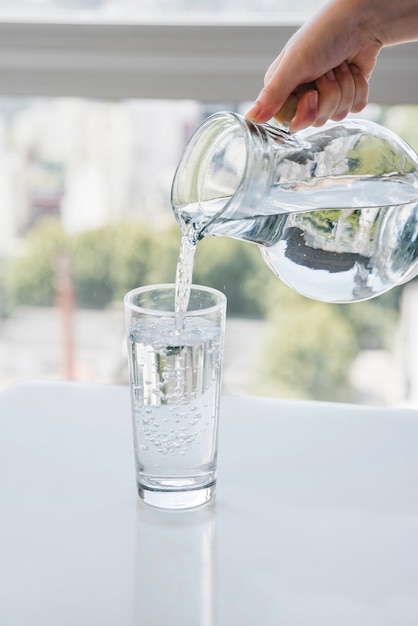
(175, 362)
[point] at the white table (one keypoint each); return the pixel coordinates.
(315, 522)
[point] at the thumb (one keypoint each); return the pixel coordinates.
(277, 92)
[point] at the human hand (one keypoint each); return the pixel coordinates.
(334, 95)
(324, 69)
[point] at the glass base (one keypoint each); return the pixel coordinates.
(176, 499)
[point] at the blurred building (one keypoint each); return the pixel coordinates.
(88, 163)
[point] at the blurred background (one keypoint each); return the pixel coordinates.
(97, 101)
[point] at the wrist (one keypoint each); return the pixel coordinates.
(390, 22)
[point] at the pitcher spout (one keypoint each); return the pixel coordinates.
(221, 177)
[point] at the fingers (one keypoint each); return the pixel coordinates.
(266, 105)
(334, 95)
(329, 97)
(337, 93)
(362, 89)
(307, 111)
(347, 89)
(272, 97)
(354, 90)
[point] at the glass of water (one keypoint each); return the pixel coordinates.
(175, 364)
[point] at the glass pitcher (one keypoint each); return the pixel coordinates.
(333, 210)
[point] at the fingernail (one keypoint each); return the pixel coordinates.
(344, 68)
(254, 111)
(313, 100)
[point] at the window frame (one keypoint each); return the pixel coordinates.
(211, 62)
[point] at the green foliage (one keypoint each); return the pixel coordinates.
(311, 345)
(105, 262)
(375, 156)
(30, 278)
(91, 254)
(114, 259)
(309, 351)
(229, 265)
(403, 120)
(374, 321)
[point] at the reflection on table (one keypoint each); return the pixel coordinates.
(315, 519)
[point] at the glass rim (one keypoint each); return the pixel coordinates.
(231, 119)
(234, 120)
(171, 287)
